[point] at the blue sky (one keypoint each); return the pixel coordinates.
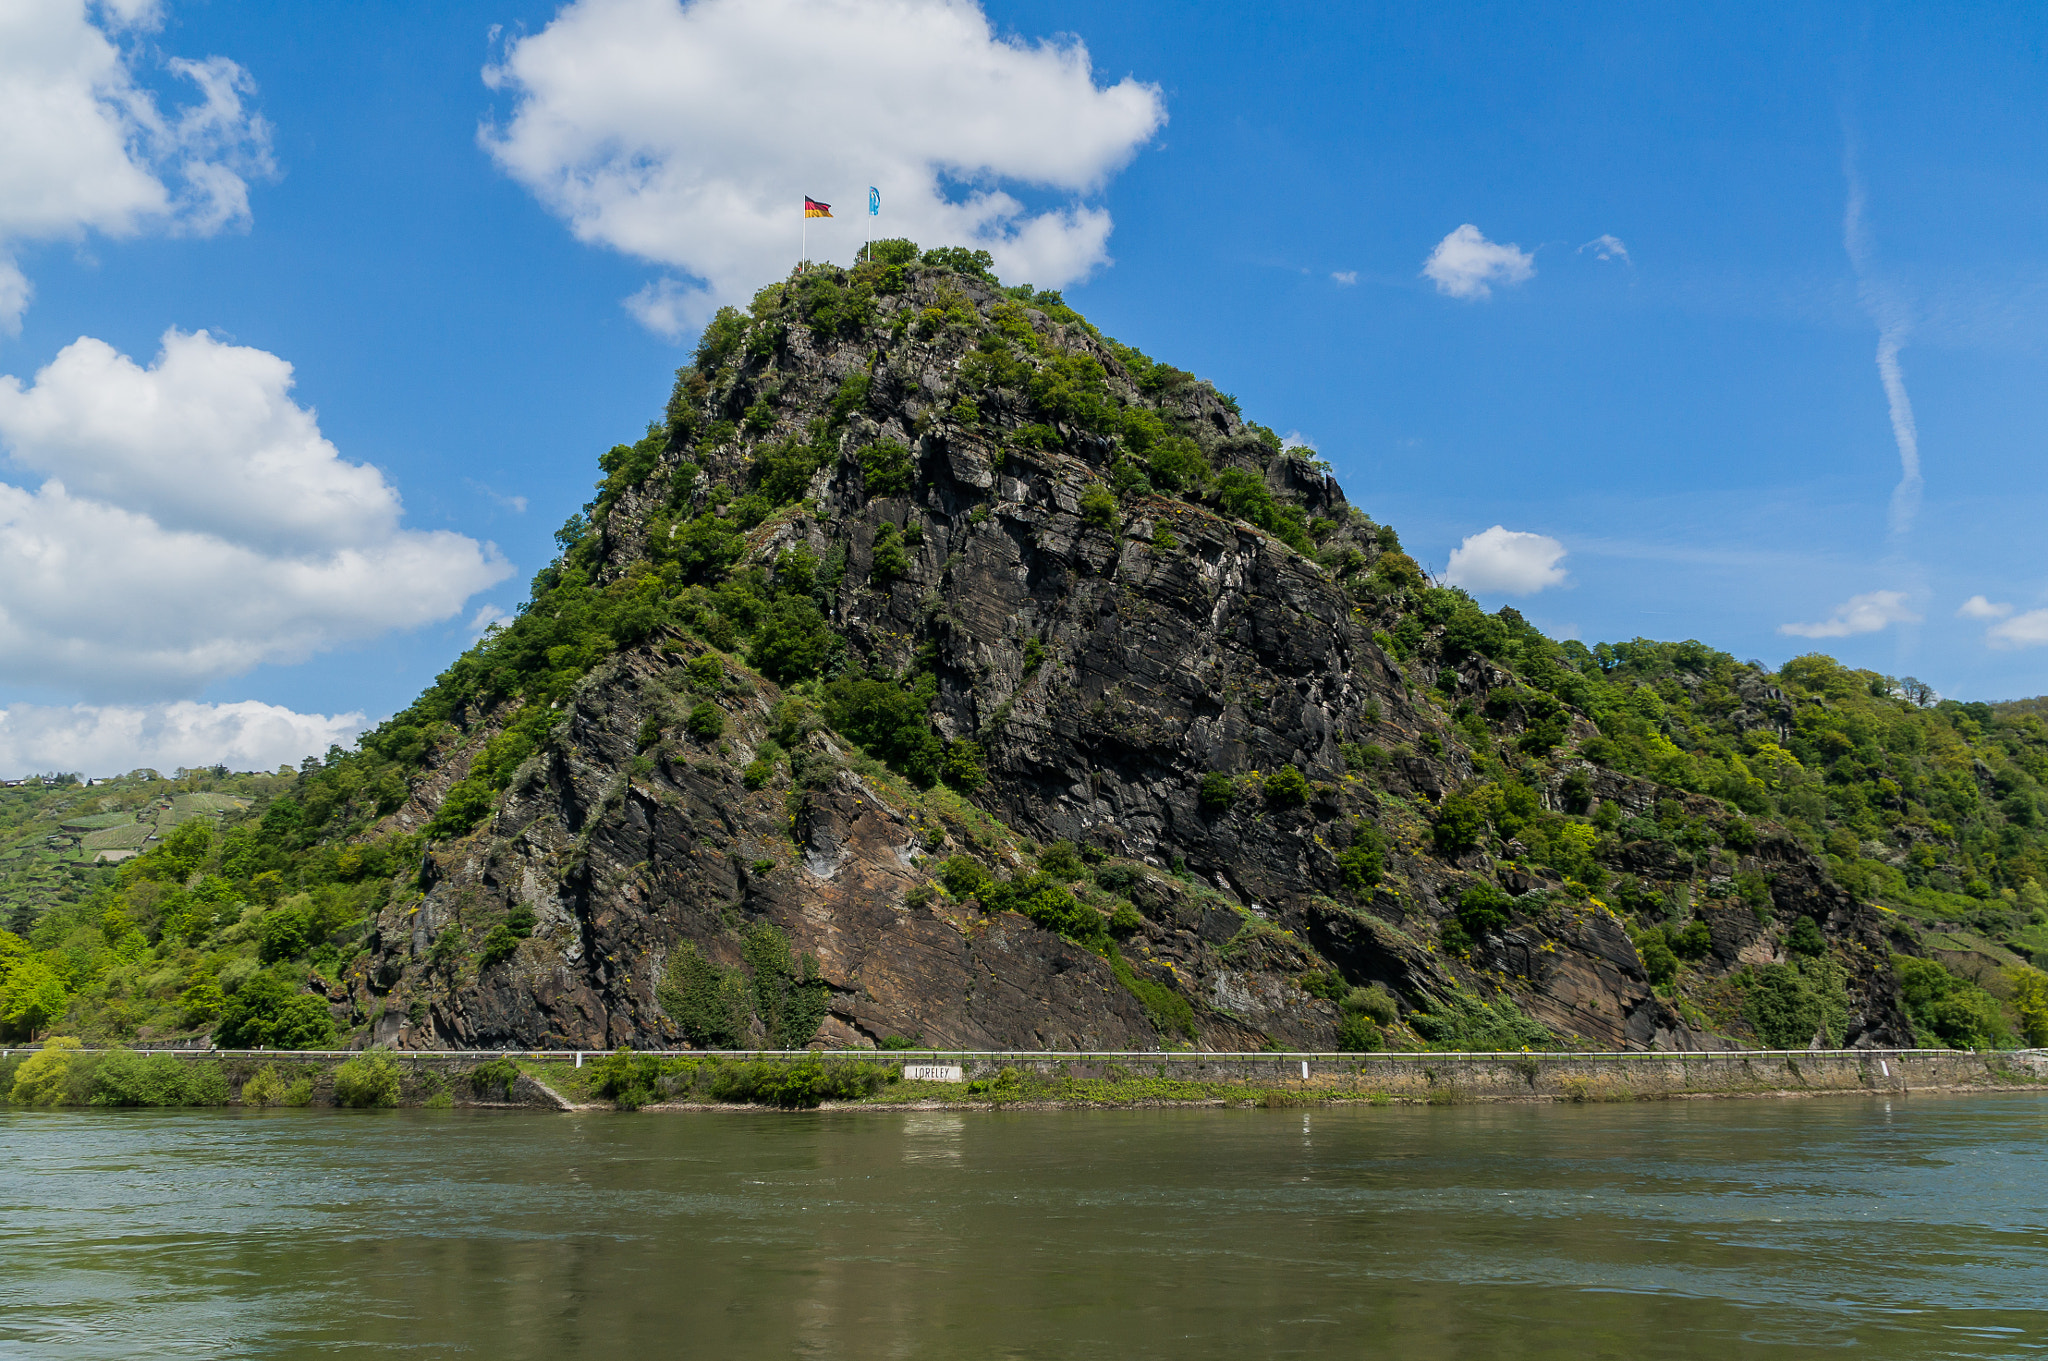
(1685, 434)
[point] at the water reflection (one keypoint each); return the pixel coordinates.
(1678, 1230)
(933, 1136)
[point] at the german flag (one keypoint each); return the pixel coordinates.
(813, 208)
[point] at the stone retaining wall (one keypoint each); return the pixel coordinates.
(1564, 1077)
(1433, 1078)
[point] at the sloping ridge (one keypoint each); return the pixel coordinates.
(923, 586)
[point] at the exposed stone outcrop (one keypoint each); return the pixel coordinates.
(1105, 667)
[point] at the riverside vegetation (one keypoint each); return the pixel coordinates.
(937, 670)
(60, 1073)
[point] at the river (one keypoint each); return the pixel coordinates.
(1896, 1228)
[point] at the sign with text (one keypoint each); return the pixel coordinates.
(934, 1072)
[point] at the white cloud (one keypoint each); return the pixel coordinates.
(1347, 277)
(1978, 607)
(113, 740)
(1507, 562)
(1606, 247)
(145, 14)
(204, 439)
(515, 504)
(195, 523)
(2022, 630)
(15, 291)
(688, 135)
(1465, 264)
(1294, 439)
(669, 307)
(488, 617)
(85, 147)
(1866, 613)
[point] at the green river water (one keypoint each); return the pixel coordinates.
(1914, 1227)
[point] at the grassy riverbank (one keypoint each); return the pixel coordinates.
(63, 1074)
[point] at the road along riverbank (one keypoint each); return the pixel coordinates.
(691, 1079)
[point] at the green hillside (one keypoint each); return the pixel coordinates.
(256, 927)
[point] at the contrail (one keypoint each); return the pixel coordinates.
(1905, 496)
(1893, 326)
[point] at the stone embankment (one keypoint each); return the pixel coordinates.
(1450, 1078)
(554, 1079)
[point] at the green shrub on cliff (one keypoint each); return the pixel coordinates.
(1176, 464)
(790, 996)
(783, 471)
(896, 250)
(1463, 1022)
(1805, 938)
(1246, 496)
(1048, 902)
(708, 1003)
(1098, 507)
(792, 643)
(1374, 1002)
(1287, 787)
(469, 801)
(721, 340)
(1482, 910)
(1791, 1006)
(1062, 860)
(964, 878)
(502, 940)
(268, 1012)
(1460, 822)
(892, 720)
(960, 259)
(1947, 1010)
(889, 560)
(1070, 391)
(1217, 792)
(717, 1007)
(1359, 1034)
(1364, 861)
(1693, 940)
(885, 468)
(1170, 1013)
(1660, 962)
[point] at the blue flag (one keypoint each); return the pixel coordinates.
(874, 201)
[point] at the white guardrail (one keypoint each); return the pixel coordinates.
(1067, 1055)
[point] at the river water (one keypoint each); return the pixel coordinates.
(1904, 1228)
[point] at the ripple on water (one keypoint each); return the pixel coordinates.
(1683, 1229)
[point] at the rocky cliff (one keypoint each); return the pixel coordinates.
(1036, 700)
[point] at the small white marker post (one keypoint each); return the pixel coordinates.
(579, 1058)
(1304, 1070)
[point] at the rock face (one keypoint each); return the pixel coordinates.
(1106, 660)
